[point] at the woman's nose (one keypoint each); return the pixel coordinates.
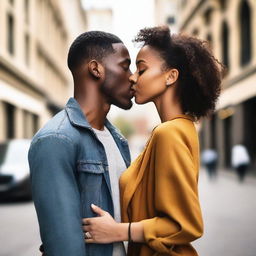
(133, 79)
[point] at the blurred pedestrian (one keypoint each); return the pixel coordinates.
(210, 161)
(240, 160)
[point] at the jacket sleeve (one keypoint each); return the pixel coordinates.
(56, 196)
(179, 219)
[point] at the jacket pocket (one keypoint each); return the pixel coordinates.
(90, 174)
(90, 166)
(91, 180)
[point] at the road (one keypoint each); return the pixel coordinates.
(229, 215)
(228, 208)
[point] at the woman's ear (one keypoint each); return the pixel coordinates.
(96, 69)
(172, 76)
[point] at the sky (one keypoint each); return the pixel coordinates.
(128, 18)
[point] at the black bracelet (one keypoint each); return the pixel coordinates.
(129, 233)
(41, 248)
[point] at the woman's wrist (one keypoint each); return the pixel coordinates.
(122, 232)
(136, 232)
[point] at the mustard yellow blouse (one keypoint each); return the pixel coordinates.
(160, 188)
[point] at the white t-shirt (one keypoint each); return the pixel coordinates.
(116, 166)
(239, 155)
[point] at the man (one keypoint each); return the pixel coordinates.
(77, 157)
(210, 160)
(240, 160)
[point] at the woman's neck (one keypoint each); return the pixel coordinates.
(167, 105)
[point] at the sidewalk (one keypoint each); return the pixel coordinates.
(229, 215)
(230, 173)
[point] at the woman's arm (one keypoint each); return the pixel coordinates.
(179, 219)
(104, 229)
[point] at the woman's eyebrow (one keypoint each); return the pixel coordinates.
(139, 61)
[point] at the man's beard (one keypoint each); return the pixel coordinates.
(108, 92)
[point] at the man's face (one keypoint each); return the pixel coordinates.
(117, 86)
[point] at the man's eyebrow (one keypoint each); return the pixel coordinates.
(125, 61)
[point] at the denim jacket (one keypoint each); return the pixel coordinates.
(69, 171)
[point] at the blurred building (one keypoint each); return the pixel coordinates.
(166, 13)
(34, 79)
(99, 15)
(230, 27)
(100, 19)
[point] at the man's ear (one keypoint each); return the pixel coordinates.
(96, 69)
(172, 76)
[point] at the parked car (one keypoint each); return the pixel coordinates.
(14, 169)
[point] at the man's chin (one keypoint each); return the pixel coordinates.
(124, 106)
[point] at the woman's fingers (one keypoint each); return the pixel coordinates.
(90, 241)
(98, 210)
(86, 221)
(86, 228)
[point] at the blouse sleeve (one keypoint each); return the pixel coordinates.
(179, 219)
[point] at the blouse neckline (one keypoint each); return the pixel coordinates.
(182, 117)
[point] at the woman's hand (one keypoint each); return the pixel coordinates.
(102, 229)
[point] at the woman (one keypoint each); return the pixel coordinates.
(159, 192)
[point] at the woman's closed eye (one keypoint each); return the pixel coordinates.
(140, 72)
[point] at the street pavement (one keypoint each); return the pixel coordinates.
(228, 209)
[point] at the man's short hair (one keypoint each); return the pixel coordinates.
(91, 45)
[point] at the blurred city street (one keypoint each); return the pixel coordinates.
(228, 208)
(19, 233)
(229, 216)
(35, 84)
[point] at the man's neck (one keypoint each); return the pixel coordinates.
(95, 110)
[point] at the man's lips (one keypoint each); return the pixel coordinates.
(132, 92)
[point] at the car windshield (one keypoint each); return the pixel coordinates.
(14, 152)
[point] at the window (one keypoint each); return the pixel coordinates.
(27, 49)
(26, 123)
(245, 36)
(26, 10)
(225, 43)
(183, 3)
(9, 110)
(209, 39)
(208, 16)
(35, 123)
(10, 34)
(170, 20)
(223, 4)
(213, 132)
(195, 32)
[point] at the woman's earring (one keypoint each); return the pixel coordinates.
(168, 84)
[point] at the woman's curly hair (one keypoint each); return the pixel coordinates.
(200, 73)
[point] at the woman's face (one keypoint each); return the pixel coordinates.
(150, 79)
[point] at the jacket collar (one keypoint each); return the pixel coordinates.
(77, 118)
(75, 114)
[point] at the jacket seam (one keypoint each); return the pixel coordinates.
(58, 135)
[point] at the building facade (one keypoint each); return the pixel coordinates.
(166, 13)
(230, 28)
(34, 80)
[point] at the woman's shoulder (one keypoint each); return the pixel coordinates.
(175, 127)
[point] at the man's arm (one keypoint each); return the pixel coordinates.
(56, 195)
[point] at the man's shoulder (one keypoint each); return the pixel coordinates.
(58, 126)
